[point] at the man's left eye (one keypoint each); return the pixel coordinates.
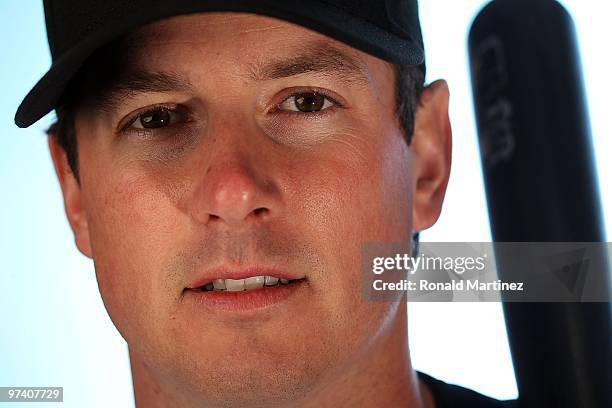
(306, 102)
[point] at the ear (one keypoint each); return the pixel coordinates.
(431, 148)
(73, 198)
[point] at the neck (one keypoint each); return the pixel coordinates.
(382, 378)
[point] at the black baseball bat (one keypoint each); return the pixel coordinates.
(541, 186)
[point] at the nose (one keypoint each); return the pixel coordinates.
(233, 192)
(234, 175)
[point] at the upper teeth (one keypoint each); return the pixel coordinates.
(237, 285)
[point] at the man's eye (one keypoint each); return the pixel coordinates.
(306, 102)
(156, 118)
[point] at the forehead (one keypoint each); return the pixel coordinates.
(213, 24)
(235, 40)
(223, 51)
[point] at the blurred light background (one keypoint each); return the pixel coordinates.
(54, 328)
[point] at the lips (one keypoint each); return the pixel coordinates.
(250, 283)
(243, 280)
(248, 290)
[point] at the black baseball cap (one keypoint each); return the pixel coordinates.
(388, 29)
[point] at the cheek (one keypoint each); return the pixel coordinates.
(348, 199)
(133, 228)
(353, 198)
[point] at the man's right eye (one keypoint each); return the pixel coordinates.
(156, 118)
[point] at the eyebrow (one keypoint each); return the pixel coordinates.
(140, 81)
(320, 58)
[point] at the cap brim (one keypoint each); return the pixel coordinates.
(315, 15)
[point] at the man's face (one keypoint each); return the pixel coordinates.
(241, 166)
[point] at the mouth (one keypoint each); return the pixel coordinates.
(246, 290)
(247, 284)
